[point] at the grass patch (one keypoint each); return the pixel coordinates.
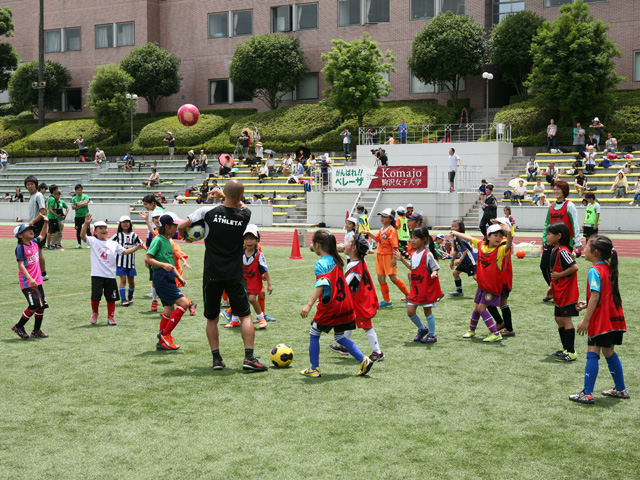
(98, 401)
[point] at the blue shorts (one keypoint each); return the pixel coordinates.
(129, 272)
(166, 288)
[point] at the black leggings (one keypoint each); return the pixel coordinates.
(79, 221)
(545, 263)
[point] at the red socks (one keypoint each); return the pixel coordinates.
(163, 321)
(173, 321)
(94, 306)
(111, 309)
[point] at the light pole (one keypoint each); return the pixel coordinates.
(132, 97)
(487, 76)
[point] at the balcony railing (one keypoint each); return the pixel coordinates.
(437, 133)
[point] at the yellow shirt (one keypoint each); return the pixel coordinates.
(502, 251)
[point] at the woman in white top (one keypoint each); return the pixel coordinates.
(620, 185)
(590, 160)
(532, 170)
(538, 189)
(542, 201)
(519, 192)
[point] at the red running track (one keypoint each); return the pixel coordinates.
(625, 247)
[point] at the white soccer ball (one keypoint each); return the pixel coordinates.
(196, 233)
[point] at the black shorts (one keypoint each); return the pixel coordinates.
(37, 228)
(108, 286)
(588, 231)
(54, 225)
(566, 311)
(236, 291)
(35, 297)
(452, 176)
(606, 340)
(340, 328)
(78, 221)
(467, 268)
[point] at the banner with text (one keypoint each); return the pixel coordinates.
(381, 177)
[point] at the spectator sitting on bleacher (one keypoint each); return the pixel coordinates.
(285, 165)
(202, 162)
(590, 160)
(18, 197)
(225, 168)
(129, 162)
(620, 185)
(153, 179)
(636, 197)
(256, 200)
(551, 174)
(201, 196)
(591, 141)
(100, 157)
(626, 168)
(580, 183)
(611, 144)
(263, 173)
(311, 164)
(538, 189)
(519, 192)
(271, 165)
(542, 201)
(532, 170)
(191, 161)
(6, 198)
(298, 169)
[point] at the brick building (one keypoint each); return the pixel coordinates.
(82, 34)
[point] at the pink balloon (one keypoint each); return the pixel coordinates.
(188, 115)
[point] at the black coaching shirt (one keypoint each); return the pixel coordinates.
(224, 242)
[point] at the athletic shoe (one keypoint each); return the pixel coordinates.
(226, 316)
(617, 393)
(192, 309)
(559, 353)
(567, 357)
(507, 333)
(225, 304)
(41, 334)
(111, 321)
(78, 246)
(20, 331)
(262, 323)
(269, 319)
(310, 372)
(547, 299)
(167, 342)
(154, 306)
(492, 338)
(365, 366)
(150, 295)
(49, 247)
(161, 346)
(94, 318)
(469, 334)
(404, 299)
(339, 349)
(377, 356)
(45, 278)
(125, 303)
(173, 343)
(582, 397)
(430, 339)
(232, 324)
(421, 334)
(386, 304)
(219, 364)
(456, 293)
(254, 365)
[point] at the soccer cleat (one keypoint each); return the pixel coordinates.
(365, 366)
(232, 324)
(94, 318)
(582, 397)
(456, 293)
(547, 299)
(192, 309)
(167, 341)
(125, 303)
(377, 356)
(173, 344)
(38, 334)
(422, 332)
(161, 346)
(262, 323)
(310, 372)
(111, 321)
(430, 339)
(339, 349)
(45, 278)
(567, 357)
(269, 319)
(78, 246)
(219, 364)
(20, 331)
(254, 365)
(469, 334)
(154, 306)
(492, 338)
(226, 316)
(617, 393)
(386, 304)
(150, 295)
(558, 353)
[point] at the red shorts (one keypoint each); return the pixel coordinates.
(366, 324)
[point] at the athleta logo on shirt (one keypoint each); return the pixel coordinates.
(220, 219)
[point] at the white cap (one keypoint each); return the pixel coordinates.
(100, 223)
(252, 229)
(596, 119)
(157, 213)
(387, 212)
(410, 205)
(125, 218)
(440, 236)
(495, 228)
(179, 197)
(400, 210)
(352, 220)
(502, 220)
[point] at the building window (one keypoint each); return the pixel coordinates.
(308, 89)
(376, 11)
(636, 66)
(242, 23)
(422, 9)
(73, 99)
(221, 91)
(348, 12)
(386, 76)
(218, 25)
(52, 41)
(307, 16)
(115, 35)
(72, 39)
(417, 86)
(455, 6)
(502, 8)
(281, 19)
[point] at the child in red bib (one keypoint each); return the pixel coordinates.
(254, 267)
(604, 321)
(425, 285)
(563, 271)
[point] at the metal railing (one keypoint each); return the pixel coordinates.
(438, 133)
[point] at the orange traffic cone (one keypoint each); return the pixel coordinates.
(448, 140)
(295, 247)
(434, 140)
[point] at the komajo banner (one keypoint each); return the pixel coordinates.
(382, 177)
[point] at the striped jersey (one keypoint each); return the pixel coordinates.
(127, 240)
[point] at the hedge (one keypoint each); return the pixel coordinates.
(207, 127)
(8, 135)
(61, 134)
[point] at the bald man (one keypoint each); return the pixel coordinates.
(223, 242)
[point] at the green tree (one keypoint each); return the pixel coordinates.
(8, 56)
(155, 73)
(573, 68)
(107, 98)
(447, 49)
(354, 73)
(511, 48)
(268, 66)
(21, 92)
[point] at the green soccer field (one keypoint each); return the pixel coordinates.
(101, 402)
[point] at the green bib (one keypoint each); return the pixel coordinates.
(590, 216)
(403, 231)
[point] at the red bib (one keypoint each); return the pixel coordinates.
(565, 289)
(365, 300)
(424, 289)
(339, 308)
(606, 317)
(489, 277)
(562, 216)
(252, 275)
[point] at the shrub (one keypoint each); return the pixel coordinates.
(526, 118)
(60, 135)
(26, 115)
(413, 114)
(8, 135)
(207, 127)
